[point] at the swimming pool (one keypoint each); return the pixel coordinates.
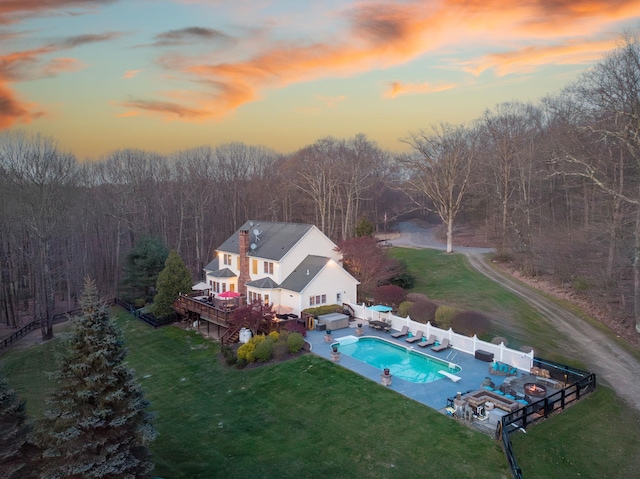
(403, 361)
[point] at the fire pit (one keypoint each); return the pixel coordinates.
(535, 390)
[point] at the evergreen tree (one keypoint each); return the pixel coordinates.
(14, 446)
(142, 266)
(172, 280)
(95, 425)
(365, 227)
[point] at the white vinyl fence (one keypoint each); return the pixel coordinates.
(518, 359)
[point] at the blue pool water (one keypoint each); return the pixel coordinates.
(403, 362)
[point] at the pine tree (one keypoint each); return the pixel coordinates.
(172, 280)
(96, 425)
(14, 445)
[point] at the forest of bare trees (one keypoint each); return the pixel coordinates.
(554, 186)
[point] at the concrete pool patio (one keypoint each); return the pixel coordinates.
(433, 394)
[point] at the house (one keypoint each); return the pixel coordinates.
(290, 265)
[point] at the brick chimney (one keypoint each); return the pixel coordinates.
(243, 249)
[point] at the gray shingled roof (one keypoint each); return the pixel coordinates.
(304, 273)
(223, 273)
(274, 241)
(263, 283)
(214, 265)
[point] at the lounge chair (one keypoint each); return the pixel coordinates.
(444, 344)
(429, 342)
(403, 332)
(416, 337)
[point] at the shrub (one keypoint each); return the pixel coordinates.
(229, 355)
(295, 341)
(404, 280)
(444, 316)
(389, 294)
(423, 311)
(413, 297)
(264, 350)
(470, 323)
(297, 328)
(245, 350)
(241, 363)
(280, 349)
(403, 308)
(274, 335)
(326, 309)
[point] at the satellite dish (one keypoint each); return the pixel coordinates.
(250, 223)
(253, 246)
(256, 231)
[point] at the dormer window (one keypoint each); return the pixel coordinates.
(268, 267)
(226, 259)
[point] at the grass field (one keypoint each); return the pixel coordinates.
(448, 279)
(309, 418)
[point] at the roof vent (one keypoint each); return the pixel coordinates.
(307, 272)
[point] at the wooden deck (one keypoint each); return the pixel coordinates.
(196, 310)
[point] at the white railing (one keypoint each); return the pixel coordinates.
(518, 359)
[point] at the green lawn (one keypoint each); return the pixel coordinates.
(306, 417)
(311, 418)
(448, 278)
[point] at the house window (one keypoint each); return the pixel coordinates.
(338, 298)
(238, 263)
(224, 287)
(254, 266)
(317, 300)
(226, 259)
(232, 287)
(268, 267)
(266, 299)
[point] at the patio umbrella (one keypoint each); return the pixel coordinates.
(201, 286)
(229, 294)
(282, 309)
(381, 308)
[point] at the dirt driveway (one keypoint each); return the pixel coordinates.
(612, 364)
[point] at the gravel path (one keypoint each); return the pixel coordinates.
(611, 363)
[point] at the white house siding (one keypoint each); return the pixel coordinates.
(331, 280)
(315, 243)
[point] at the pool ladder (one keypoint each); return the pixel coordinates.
(451, 356)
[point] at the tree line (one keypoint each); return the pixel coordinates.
(553, 185)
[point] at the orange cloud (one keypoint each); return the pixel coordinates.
(399, 88)
(528, 59)
(381, 35)
(131, 74)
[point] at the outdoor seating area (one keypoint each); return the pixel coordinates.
(380, 325)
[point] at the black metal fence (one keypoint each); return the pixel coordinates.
(27, 328)
(147, 318)
(581, 383)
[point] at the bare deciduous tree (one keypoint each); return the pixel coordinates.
(441, 170)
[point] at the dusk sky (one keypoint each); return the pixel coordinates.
(168, 75)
